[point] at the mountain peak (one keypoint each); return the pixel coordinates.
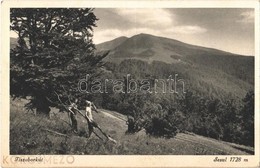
(150, 48)
(143, 34)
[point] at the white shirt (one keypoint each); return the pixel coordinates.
(89, 113)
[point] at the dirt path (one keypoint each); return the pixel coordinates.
(112, 116)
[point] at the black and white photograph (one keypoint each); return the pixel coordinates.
(165, 81)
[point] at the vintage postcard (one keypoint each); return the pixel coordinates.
(130, 83)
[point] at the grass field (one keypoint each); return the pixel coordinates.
(33, 134)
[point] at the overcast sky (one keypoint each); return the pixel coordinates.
(226, 29)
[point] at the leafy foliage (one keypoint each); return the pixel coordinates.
(247, 119)
(204, 109)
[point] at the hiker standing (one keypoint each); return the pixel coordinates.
(72, 113)
(91, 122)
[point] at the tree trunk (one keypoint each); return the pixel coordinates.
(42, 106)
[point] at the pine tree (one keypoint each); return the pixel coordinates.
(54, 51)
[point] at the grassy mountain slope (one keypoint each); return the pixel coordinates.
(28, 135)
(111, 44)
(153, 48)
(211, 74)
(208, 71)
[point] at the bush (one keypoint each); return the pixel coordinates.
(161, 127)
(167, 125)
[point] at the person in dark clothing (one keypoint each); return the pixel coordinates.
(72, 113)
(131, 124)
